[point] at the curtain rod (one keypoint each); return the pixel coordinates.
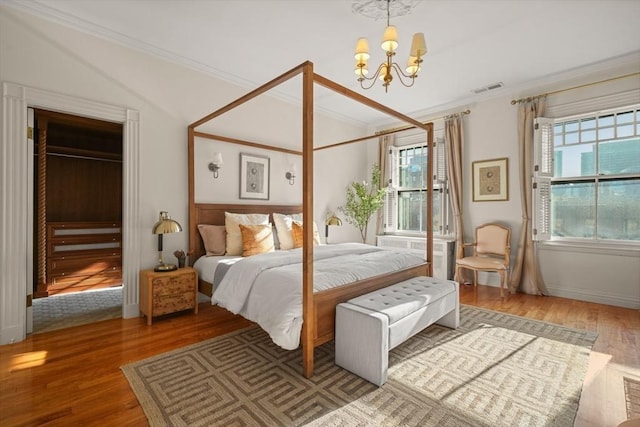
(400, 129)
(531, 98)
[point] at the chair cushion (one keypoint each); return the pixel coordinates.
(400, 300)
(481, 262)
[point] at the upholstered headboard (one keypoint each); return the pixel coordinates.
(206, 213)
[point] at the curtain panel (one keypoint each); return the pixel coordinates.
(526, 275)
(454, 145)
(385, 142)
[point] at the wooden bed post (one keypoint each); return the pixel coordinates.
(193, 238)
(429, 204)
(309, 323)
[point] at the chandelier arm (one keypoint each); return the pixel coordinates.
(401, 75)
(372, 79)
(400, 72)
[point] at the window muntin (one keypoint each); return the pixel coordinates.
(595, 188)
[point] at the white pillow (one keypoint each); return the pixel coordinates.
(234, 236)
(283, 226)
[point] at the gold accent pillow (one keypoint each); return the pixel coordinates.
(297, 233)
(283, 227)
(256, 239)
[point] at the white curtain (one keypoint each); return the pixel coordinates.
(526, 275)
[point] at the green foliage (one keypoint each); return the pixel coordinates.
(363, 200)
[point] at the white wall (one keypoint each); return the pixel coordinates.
(40, 54)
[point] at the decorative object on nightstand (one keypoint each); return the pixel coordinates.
(182, 258)
(164, 225)
(332, 219)
(168, 292)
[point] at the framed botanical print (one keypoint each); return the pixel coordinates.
(490, 180)
(254, 177)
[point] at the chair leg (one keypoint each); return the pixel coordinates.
(501, 283)
(475, 278)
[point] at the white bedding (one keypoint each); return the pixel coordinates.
(207, 265)
(267, 288)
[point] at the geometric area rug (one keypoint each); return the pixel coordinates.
(496, 369)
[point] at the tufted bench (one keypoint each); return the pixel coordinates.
(369, 326)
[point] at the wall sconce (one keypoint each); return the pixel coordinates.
(216, 164)
(164, 225)
(291, 174)
(332, 219)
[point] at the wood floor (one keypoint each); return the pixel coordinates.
(72, 376)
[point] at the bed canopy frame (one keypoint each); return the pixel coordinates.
(319, 308)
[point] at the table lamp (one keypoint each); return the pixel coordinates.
(332, 219)
(164, 225)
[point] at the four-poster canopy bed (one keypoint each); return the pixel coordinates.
(318, 308)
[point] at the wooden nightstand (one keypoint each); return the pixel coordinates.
(168, 292)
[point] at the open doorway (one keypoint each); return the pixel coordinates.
(77, 206)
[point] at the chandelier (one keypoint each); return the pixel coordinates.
(387, 68)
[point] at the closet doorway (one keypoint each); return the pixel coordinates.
(77, 216)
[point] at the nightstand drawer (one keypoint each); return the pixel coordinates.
(172, 303)
(164, 286)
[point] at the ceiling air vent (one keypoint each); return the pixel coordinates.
(487, 88)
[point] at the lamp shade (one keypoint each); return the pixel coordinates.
(412, 65)
(362, 50)
(390, 39)
(333, 220)
(418, 45)
(166, 225)
(217, 159)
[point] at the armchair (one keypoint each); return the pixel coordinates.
(491, 252)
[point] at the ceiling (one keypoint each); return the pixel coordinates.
(472, 43)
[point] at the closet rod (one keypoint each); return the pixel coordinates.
(75, 156)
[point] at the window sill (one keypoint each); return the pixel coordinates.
(623, 249)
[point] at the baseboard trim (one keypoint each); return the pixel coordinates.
(130, 311)
(581, 295)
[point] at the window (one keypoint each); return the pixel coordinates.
(587, 177)
(406, 197)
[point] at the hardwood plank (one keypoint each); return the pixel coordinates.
(73, 377)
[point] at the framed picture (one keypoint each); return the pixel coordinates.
(254, 177)
(490, 180)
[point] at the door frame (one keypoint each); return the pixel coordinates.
(16, 229)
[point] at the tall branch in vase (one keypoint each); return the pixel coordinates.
(362, 201)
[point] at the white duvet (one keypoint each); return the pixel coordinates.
(267, 288)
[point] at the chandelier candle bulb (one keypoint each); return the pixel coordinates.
(362, 68)
(384, 72)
